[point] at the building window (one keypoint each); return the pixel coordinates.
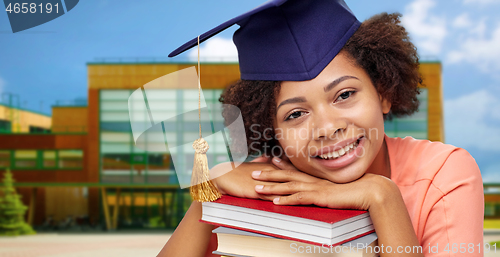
(5, 126)
(35, 129)
(414, 125)
(489, 209)
(70, 159)
(41, 159)
(124, 162)
(49, 159)
(4, 159)
(116, 167)
(25, 159)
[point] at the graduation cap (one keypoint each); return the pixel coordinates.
(287, 40)
(281, 40)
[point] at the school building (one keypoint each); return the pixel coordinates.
(82, 162)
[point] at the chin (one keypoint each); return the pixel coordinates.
(347, 174)
(342, 176)
(342, 179)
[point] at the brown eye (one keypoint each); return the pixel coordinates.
(345, 95)
(294, 115)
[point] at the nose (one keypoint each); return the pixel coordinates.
(328, 125)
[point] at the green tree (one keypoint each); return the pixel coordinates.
(12, 210)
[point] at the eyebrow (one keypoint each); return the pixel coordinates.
(301, 99)
(338, 81)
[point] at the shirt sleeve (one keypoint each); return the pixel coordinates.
(454, 225)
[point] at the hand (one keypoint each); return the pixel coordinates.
(239, 182)
(298, 188)
(371, 192)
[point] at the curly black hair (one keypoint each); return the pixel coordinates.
(381, 46)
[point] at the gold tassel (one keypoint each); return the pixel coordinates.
(202, 189)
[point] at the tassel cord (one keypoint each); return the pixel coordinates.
(202, 189)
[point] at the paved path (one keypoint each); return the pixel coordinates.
(492, 235)
(109, 245)
(83, 245)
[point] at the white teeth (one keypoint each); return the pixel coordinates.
(340, 152)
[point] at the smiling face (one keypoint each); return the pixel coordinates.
(332, 126)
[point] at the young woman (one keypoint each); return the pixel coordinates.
(425, 198)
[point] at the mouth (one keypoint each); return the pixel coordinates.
(340, 152)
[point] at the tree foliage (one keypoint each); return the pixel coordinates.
(12, 209)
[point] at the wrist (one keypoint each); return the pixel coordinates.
(383, 191)
(217, 175)
(214, 181)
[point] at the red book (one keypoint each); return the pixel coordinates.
(310, 224)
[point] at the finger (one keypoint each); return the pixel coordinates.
(284, 188)
(283, 164)
(299, 198)
(330, 199)
(268, 197)
(283, 176)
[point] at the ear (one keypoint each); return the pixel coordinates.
(386, 105)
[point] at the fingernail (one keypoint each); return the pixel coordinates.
(256, 173)
(276, 159)
(276, 200)
(259, 187)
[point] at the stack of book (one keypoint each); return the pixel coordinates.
(251, 227)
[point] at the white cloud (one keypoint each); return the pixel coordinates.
(480, 29)
(478, 49)
(481, 2)
(426, 30)
(467, 117)
(462, 21)
(216, 49)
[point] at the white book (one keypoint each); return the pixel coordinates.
(239, 243)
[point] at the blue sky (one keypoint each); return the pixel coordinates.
(48, 63)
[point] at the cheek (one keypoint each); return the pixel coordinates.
(293, 141)
(370, 122)
(375, 124)
(368, 118)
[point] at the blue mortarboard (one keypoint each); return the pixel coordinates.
(287, 40)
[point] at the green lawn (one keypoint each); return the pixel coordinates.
(490, 223)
